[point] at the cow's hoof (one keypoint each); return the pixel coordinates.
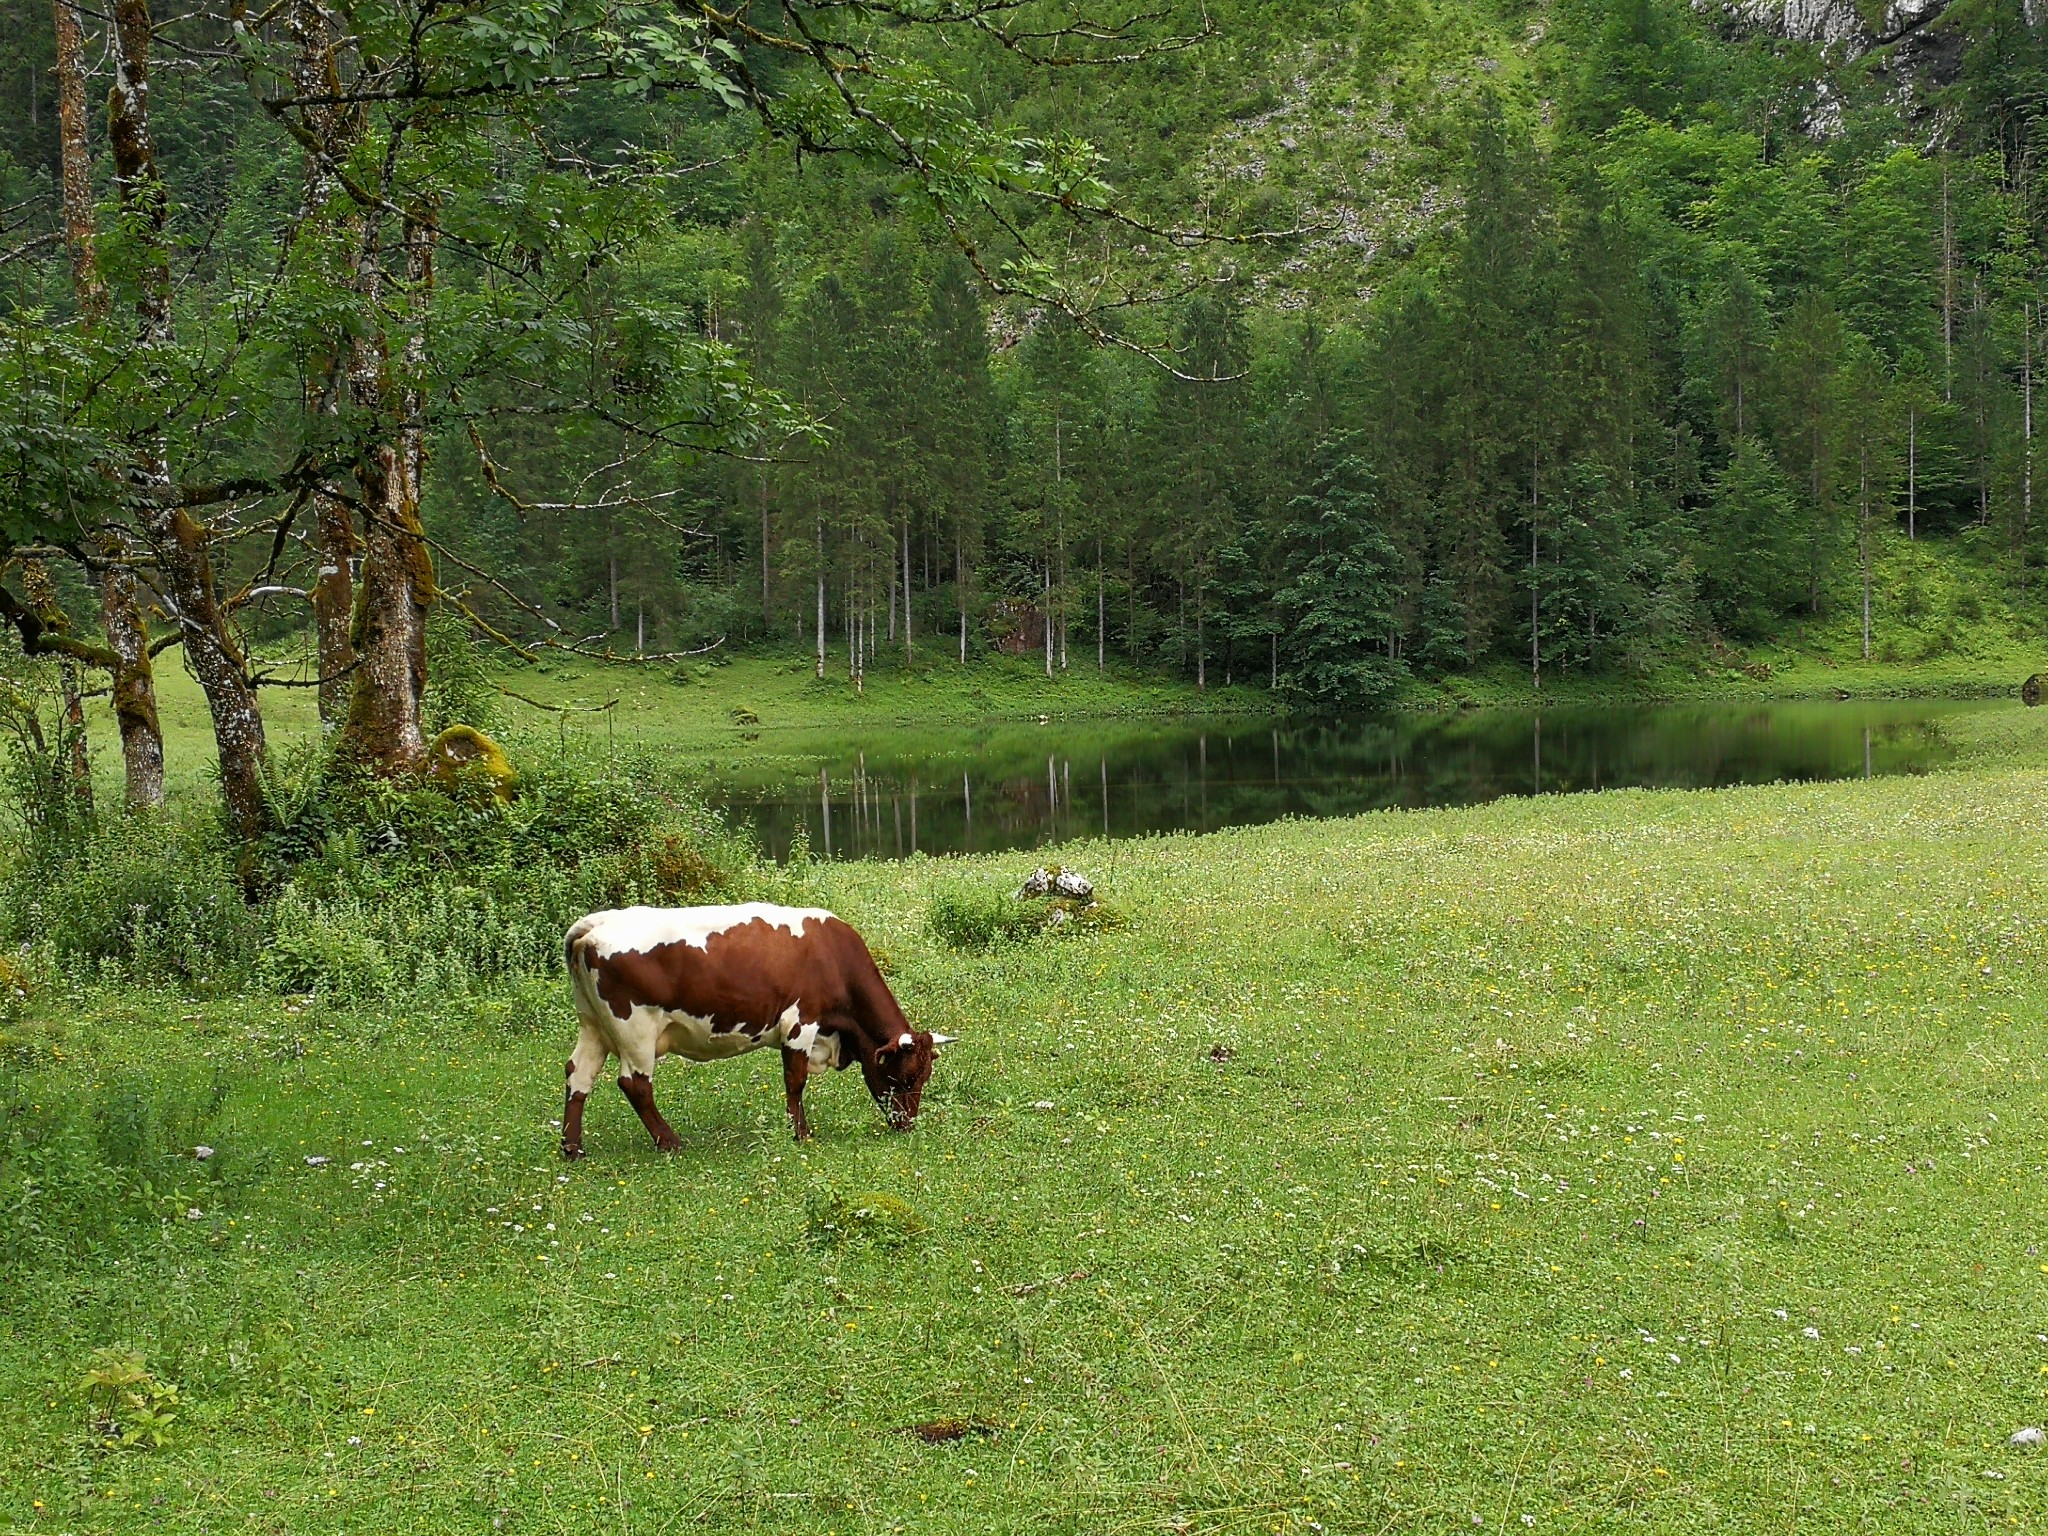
(669, 1144)
(571, 1154)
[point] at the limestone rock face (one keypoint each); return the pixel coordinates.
(1843, 23)
(1918, 56)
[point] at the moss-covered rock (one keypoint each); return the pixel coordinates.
(463, 757)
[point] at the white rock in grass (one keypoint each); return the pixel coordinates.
(2030, 1438)
(1066, 883)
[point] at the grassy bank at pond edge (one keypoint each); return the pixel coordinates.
(1944, 624)
(1652, 1159)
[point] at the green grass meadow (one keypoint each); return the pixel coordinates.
(1639, 1161)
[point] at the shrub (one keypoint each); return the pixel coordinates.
(151, 902)
(131, 1407)
(325, 949)
(965, 919)
(459, 686)
(836, 1220)
(974, 920)
(370, 888)
(533, 1006)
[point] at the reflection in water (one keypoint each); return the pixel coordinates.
(941, 791)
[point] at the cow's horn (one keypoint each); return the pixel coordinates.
(904, 1041)
(939, 1040)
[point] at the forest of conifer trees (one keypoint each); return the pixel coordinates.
(1311, 347)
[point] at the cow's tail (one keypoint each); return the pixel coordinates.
(572, 941)
(575, 955)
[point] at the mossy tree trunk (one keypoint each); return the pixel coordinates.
(179, 542)
(396, 589)
(335, 130)
(134, 680)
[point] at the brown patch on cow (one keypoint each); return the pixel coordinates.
(744, 978)
(939, 1431)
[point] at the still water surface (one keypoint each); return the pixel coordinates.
(975, 790)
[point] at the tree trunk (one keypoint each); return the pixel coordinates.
(336, 547)
(1535, 603)
(1863, 538)
(382, 731)
(142, 735)
(767, 608)
(908, 652)
(75, 161)
(2027, 442)
(1948, 291)
(184, 562)
(1048, 618)
(821, 599)
(41, 593)
(134, 681)
(1912, 471)
(186, 566)
(334, 604)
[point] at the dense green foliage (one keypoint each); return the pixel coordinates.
(1604, 328)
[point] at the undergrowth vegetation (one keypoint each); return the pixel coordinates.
(369, 889)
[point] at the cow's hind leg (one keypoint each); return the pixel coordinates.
(638, 1087)
(585, 1062)
(796, 1067)
(636, 1082)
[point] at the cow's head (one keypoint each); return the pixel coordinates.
(896, 1074)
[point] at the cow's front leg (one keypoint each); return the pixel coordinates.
(796, 1069)
(638, 1087)
(585, 1062)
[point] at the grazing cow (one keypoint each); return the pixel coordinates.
(710, 982)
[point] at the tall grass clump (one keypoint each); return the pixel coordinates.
(85, 1156)
(976, 920)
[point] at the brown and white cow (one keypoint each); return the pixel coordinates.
(710, 982)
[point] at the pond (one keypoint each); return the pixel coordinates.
(975, 790)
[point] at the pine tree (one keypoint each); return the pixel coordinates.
(1340, 583)
(1198, 434)
(1806, 358)
(962, 408)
